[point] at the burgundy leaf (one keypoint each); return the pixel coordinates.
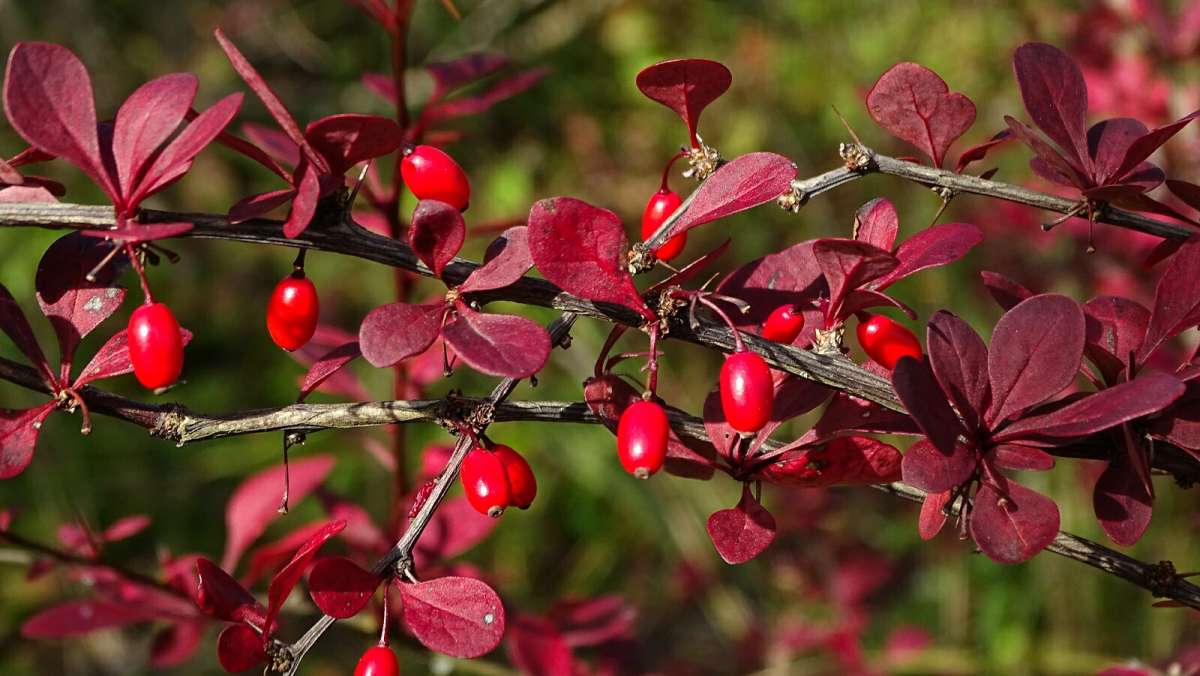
(340, 588)
(1180, 424)
(255, 503)
(220, 596)
(285, 580)
(327, 365)
(75, 618)
(914, 104)
(861, 299)
(843, 460)
(498, 345)
(176, 643)
(1006, 292)
(1011, 523)
(304, 204)
(1188, 192)
(1035, 353)
(1176, 298)
(932, 247)
(18, 436)
(392, 333)
(789, 276)
(581, 248)
(1115, 328)
(848, 413)
(175, 160)
(877, 223)
(1022, 458)
(457, 616)
(437, 233)
(507, 261)
(959, 361)
(14, 323)
(112, 359)
(925, 401)
(255, 206)
(537, 649)
(980, 151)
(240, 649)
(74, 305)
(450, 75)
(1143, 147)
(1122, 505)
(1048, 162)
(847, 265)
(933, 471)
(146, 120)
(48, 101)
(1055, 96)
(1099, 411)
(932, 517)
(454, 528)
(1107, 142)
(743, 183)
(742, 532)
(506, 88)
(345, 140)
(686, 86)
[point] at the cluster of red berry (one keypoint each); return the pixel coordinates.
(496, 478)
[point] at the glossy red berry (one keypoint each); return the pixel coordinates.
(661, 205)
(522, 485)
(292, 312)
(784, 324)
(642, 438)
(155, 346)
(431, 174)
(378, 660)
(746, 391)
(885, 341)
(486, 482)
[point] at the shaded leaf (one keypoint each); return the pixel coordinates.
(1098, 411)
(933, 471)
(980, 151)
(507, 260)
(1011, 523)
(506, 88)
(18, 436)
(347, 139)
(327, 365)
(1122, 505)
(1114, 331)
(255, 206)
(498, 345)
(1143, 147)
(791, 276)
(959, 361)
(922, 396)
(454, 528)
(220, 596)
(394, 332)
(1176, 298)
(877, 223)
(843, 460)
(686, 86)
(847, 265)
(437, 233)
(1035, 353)
(932, 247)
(914, 104)
(1055, 96)
(146, 120)
(239, 649)
(537, 649)
(742, 183)
(14, 323)
(1006, 292)
(933, 518)
(304, 204)
(741, 533)
(289, 575)
(175, 160)
(1022, 458)
(341, 588)
(74, 305)
(458, 616)
(1107, 142)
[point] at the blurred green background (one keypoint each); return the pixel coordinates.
(584, 131)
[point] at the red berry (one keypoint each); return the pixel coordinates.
(292, 312)
(486, 482)
(886, 341)
(378, 660)
(746, 391)
(661, 205)
(642, 438)
(521, 483)
(431, 174)
(155, 346)
(783, 325)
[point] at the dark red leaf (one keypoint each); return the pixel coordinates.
(255, 206)
(791, 276)
(743, 183)
(112, 359)
(581, 248)
(1143, 147)
(304, 204)
(980, 151)
(175, 160)
(274, 143)
(74, 305)
(18, 436)
(285, 580)
(1188, 192)
(932, 517)
(1108, 141)
(239, 649)
(686, 86)
(507, 260)
(742, 532)
(1011, 523)
(341, 588)
(877, 223)
(861, 299)
(327, 365)
(842, 460)
(1048, 162)
(1176, 299)
(1055, 95)
(220, 596)
(932, 247)
(48, 101)
(1122, 505)
(933, 471)
(255, 503)
(498, 345)
(392, 333)
(438, 232)
(176, 643)
(457, 616)
(1180, 424)
(324, 345)
(959, 361)
(847, 265)
(506, 88)
(1115, 328)
(537, 649)
(146, 120)
(1099, 411)
(75, 618)
(14, 323)
(925, 401)
(1006, 292)
(914, 104)
(1035, 353)
(345, 140)
(847, 413)
(1022, 458)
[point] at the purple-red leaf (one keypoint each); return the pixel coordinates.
(392, 333)
(932, 247)
(1011, 523)
(1176, 299)
(1115, 328)
(112, 359)
(14, 323)
(742, 532)
(980, 151)
(959, 361)
(18, 436)
(842, 460)
(457, 616)
(1022, 458)
(347, 139)
(255, 503)
(220, 596)
(1144, 146)
(1108, 141)
(686, 86)
(304, 204)
(257, 205)
(847, 265)
(74, 305)
(340, 587)
(914, 104)
(1035, 354)
(327, 365)
(289, 575)
(931, 470)
(175, 160)
(877, 223)
(507, 260)
(925, 401)
(743, 183)
(1122, 505)
(498, 345)
(581, 248)
(1101, 410)
(74, 618)
(1006, 292)
(1055, 96)
(437, 233)
(932, 515)
(240, 649)
(146, 120)
(48, 101)
(789, 276)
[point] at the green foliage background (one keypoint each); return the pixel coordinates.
(587, 132)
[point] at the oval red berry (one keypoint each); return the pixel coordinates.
(783, 325)
(378, 660)
(661, 205)
(886, 341)
(485, 482)
(746, 391)
(292, 312)
(431, 174)
(522, 484)
(155, 346)
(642, 435)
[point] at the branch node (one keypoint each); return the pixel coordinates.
(1160, 578)
(856, 157)
(794, 199)
(704, 160)
(640, 259)
(829, 341)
